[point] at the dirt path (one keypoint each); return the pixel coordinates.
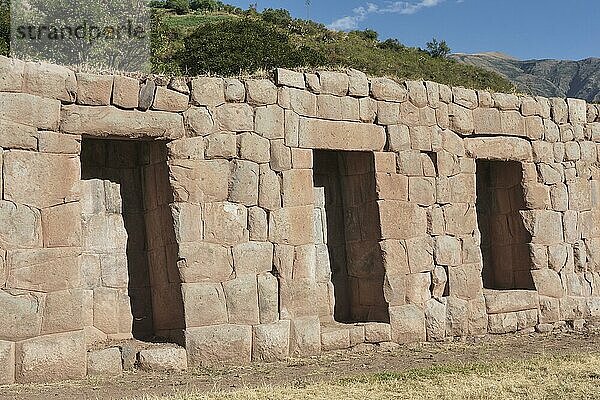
(330, 366)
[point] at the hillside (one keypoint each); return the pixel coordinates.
(551, 78)
(235, 41)
(210, 37)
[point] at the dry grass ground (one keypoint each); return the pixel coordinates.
(571, 377)
(526, 366)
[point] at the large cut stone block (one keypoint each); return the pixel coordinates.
(111, 121)
(408, 323)
(94, 90)
(501, 148)
(305, 337)
(544, 226)
(30, 110)
(268, 298)
(40, 180)
(336, 135)
(21, 315)
(126, 91)
(14, 135)
(204, 304)
(54, 221)
(63, 311)
(50, 358)
(225, 223)
(271, 342)
(44, 270)
(235, 117)
(291, 225)
(241, 296)
(505, 301)
(200, 181)
(244, 182)
(7, 362)
(219, 345)
(21, 226)
(104, 363)
(201, 261)
(464, 281)
(163, 359)
(253, 258)
(401, 220)
(207, 91)
(49, 80)
(11, 74)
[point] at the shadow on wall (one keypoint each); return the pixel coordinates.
(348, 200)
(130, 250)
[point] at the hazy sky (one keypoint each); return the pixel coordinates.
(525, 29)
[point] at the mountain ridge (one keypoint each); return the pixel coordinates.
(546, 77)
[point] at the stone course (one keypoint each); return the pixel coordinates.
(209, 200)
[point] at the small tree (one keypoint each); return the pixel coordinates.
(179, 6)
(438, 49)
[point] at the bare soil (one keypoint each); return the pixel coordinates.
(327, 367)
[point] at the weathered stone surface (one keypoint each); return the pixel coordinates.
(170, 100)
(261, 92)
(200, 261)
(41, 113)
(335, 338)
(305, 337)
(21, 226)
(253, 258)
(401, 220)
(50, 358)
(408, 323)
(104, 363)
(387, 90)
(244, 183)
(335, 83)
(465, 97)
(111, 121)
(545, 226)
(235, 117)
(502, 323)
(435, 320)
(377, 332)
(44, 270)
(461, 119)
(199, 120)
(11, 74)
(457, 317)
(464, 281)
(208, 91)
(49, 80)
(53, 223)
(219, 345)
(498, 301)
(268, 298)
(271, 342)
(291, 225)
(204, 304)
(285, 77)
(225, 223)
(163, 359)
(253, 147)
(269, 122)
(22, 315)
(358, 84)
(63, 311)
(7, 360)
(125, 92)
(499, 148)
(94, 90)
(577, 111)
(199, 181)
(323, 134)
(242, 300)
(547, 283)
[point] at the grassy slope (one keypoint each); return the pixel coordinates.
(348, 50)
(545, 377)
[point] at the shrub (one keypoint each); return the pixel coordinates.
(242, 45)
(206, 5)
(279, 17)
(179, 6)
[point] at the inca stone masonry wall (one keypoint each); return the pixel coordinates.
(258, 220)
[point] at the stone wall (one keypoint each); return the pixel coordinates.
(237, 261)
